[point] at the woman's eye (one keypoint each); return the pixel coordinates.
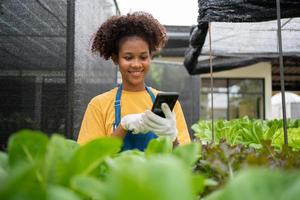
(127, 58)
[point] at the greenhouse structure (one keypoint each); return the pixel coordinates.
(48, 74)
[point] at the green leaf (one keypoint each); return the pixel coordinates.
(27, 146)
(161, 177)
(273, 127)
(293, 138)
(3, 160)
(91, 187)
(55, 192)
(3, 165)
(210, 182)
(89, 156)
(261, 184)
(188, 153)
(256, 146)
(196, 128)
(22, 183)
(161, 145)
(198, 184)
(58, 156)
(134, 152)
(126, 158)
(292, 191)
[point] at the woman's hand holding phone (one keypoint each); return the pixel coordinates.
(164, 97)
(161, 120)
(159, 125)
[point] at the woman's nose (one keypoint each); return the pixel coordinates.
(136, 63)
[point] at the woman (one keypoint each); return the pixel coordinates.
(130, 41)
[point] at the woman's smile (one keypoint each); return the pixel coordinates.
(136, 73)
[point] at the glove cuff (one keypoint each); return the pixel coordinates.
(123, 124)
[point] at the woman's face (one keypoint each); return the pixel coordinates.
(134, 62)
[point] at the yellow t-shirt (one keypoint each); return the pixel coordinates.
(100, 114)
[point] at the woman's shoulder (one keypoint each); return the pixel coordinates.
(104, 97)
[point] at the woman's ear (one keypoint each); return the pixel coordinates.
(114, 58)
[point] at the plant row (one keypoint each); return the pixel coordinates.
(39, 167)
(249, 132)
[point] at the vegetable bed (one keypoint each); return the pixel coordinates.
(39, 167)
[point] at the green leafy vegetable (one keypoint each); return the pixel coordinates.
(90, 187)
(159, 177)
(27, 147)
(188, 153)
(248, 132)
(55, 192)
(160, 145)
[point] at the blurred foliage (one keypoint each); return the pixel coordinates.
(260, 184)
(220, 162)
(39, 167)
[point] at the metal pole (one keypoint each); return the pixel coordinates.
(211, 86)
(70, 66)
(279, 39)
(118, 12)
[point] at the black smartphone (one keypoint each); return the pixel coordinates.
(169, 98)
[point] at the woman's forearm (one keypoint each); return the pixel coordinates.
(119, 132)
(175, 143)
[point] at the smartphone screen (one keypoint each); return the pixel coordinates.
(169, 98)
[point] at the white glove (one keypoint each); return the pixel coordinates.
(159, 125)
(134, 123)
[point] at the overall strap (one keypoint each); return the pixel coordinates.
(118, 107)
(150, 93)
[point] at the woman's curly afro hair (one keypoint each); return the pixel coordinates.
(141, 24)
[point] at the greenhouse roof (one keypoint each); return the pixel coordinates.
(253, 39)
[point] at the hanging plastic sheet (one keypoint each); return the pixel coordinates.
(231, 11)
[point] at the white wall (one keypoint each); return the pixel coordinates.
(259, 70)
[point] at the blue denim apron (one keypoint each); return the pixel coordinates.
(132, 141)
